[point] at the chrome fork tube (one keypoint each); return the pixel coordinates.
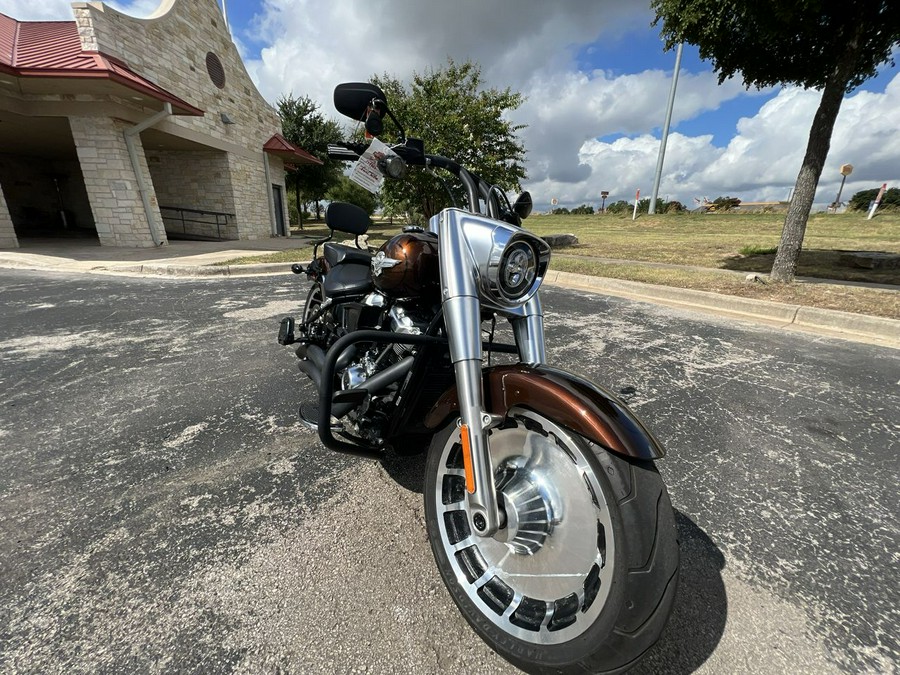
(462, 318)
(528, 330)
(484, 514)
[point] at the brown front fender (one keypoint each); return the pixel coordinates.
(564, 398)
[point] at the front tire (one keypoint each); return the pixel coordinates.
(583, 575)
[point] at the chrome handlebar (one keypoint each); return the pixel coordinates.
(476, 188)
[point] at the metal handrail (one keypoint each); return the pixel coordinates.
(220, 219)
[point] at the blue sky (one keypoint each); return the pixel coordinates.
(596, 79)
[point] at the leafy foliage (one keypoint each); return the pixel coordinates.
(583, 210)
(772, 42)
(824, 44)
(861, 200)
(345, 190)
(726, 203)
(304, 125)
(620, 206)
(455, 116)
(626, 207)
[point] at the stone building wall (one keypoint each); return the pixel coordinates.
(194, 179)
(111, 184)
(7, 232)
(252, 192)
(170, 48)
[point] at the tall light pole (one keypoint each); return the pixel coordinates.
(665, 133)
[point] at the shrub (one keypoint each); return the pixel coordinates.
(293, 215)
(620, 206)
(583, 210)
(861, 200)
(726, 203)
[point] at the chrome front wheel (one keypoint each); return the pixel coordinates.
(549, 589)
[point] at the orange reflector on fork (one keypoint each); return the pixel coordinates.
(467, 458)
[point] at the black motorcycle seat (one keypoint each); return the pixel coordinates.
(336, 254)
(348, 279)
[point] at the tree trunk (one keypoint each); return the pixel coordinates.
(788, 255)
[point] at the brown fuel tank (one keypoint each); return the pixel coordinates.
(407, 266)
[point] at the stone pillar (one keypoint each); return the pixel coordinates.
(111, 184)
(251, 193)
(8, 237)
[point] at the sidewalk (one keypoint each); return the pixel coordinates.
(197, 259)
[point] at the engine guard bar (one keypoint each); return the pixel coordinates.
(326, 387)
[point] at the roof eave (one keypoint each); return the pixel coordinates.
(179, 106)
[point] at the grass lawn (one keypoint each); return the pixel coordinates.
(715, 241)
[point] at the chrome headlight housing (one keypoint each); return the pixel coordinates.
(501, 263)
(516, 268)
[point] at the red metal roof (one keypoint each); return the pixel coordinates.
(279, 146)
(53, 49)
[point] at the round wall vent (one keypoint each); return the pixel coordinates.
(215, 69)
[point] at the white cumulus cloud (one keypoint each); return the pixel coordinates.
(308, 46)
(760, 162)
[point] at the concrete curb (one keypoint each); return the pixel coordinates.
(198, 270)
(882, 330)
(860, 327)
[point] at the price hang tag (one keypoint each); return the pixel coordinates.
(365, 172)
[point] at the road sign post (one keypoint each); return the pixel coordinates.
(846, 170)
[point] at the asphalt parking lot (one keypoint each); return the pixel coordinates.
(164, 511)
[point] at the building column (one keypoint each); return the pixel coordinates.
(111, 183)
(251, 196)
(8, 237)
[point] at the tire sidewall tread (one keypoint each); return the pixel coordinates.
(619, 635)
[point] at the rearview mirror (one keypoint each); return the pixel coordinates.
(354, 99)
(523, 205)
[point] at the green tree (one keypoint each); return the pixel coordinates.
(644, 205)
(452, 112)
(620, 206)
(583, 210)
(861, 200)
(304, 125)
(821, 44)
(345, 190)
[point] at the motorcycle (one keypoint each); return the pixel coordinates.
(549, 523)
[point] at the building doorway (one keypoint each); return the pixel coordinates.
(278, 199)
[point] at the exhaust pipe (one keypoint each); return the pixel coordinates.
(371, 386)
(317, 355)
(375, 384)
(313, 372)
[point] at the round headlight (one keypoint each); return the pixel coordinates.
(517, 270)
